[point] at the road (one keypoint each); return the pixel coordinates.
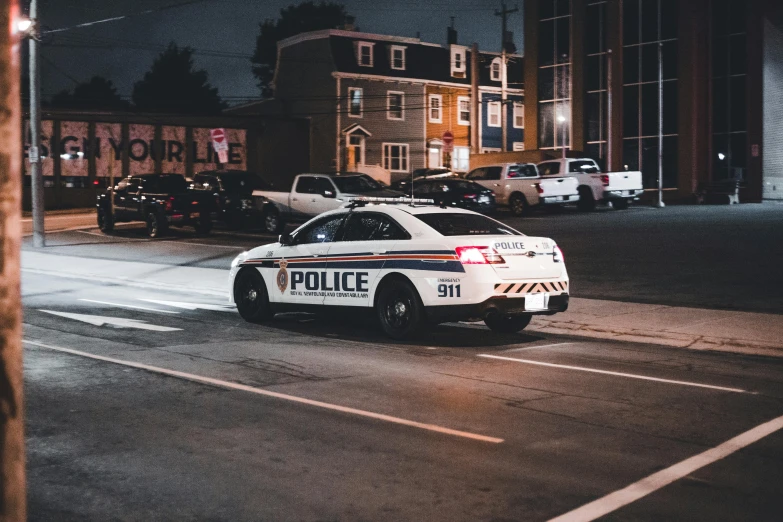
(166, 405)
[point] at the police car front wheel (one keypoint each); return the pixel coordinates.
(507, 323)
(251, 297)
(400, 309)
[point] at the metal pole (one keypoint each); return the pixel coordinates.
(608, 165)
(12, 454)
(503, 100)
(660, 126)
(36, 175)
(474, 99)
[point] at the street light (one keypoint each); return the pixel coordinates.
(23, 25)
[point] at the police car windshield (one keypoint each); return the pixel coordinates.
(466, 225)
(356, 184)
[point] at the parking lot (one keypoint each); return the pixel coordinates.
(148, 402)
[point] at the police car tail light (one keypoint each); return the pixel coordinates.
(557, 255)
(478, 255)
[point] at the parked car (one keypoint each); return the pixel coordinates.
(456, 192)
(617, 188)
(313, 194)
(404, 184)
(520, 187)
(232, 191)
(160, 200)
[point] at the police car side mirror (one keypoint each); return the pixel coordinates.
(285, 239)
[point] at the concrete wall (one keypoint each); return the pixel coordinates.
(773, 112)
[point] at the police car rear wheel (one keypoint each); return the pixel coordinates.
(251, 297)
(507, 323)
(400, 310)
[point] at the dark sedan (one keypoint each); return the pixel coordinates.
(455, 192)
(233, 193)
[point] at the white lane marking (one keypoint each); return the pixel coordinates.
(192, 306)
(117, 322)
(617, 374)
(130, 306)
(660, 479)
(533, 347)
(106, 236)
(268, 393)
(185, 242)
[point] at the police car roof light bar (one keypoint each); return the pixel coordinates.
(360, 201)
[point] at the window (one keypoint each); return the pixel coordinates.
(436, 108)
(460, 159)
(398, 57)
(313, 185)
(518, 146)
(395, 157)
(493, 114)
(494, 70)
(554, 84)
(369, 226)
(395, 101)
(522, 170)
(364, 54)
(466, 225)
(458, 66)
(355, 100)
(583, 166)
(357, 184)
(493, 173)
(549, 169)
(322, 231)
(463, 118)
(477, 174)
(519, 115)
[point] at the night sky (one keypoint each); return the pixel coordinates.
(224, 31)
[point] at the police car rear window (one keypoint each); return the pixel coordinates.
(466, 225)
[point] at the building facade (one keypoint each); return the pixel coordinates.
(596, 70)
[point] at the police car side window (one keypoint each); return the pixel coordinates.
(322, 231)
(366, 226)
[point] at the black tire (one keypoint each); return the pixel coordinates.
(586, 201)
(105, 220)
(518, 204)
(620, 204)
(156, 225)
(204, 224)
(273, 223)
(399, 309)
(251, 297)
(507, 323)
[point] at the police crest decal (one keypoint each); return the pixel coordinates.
(282, 276)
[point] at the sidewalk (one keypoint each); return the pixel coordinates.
(692, 328)
(59, 220)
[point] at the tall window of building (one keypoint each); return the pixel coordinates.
(519, 115)
(554, 74)
(493, 114)
(458, 66)
(729, 121)
(395, 106)
(596, 78)
(395, 157)
(398, 57)
(646, 24)
(436, 108)
(463, 116)
(355, 102)
(494, 70)
(364, 54)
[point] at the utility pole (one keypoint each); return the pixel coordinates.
(36, 176)
(12, 457)
(474, 101)
(660, 126)
(503, 14)
(608, 165)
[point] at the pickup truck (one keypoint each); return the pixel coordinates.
(160, 200)
(313, 194)
(617, 188)
(520, 187)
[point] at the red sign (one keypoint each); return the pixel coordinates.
(448, 141)
(218, 136)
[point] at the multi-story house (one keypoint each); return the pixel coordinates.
(384, 100)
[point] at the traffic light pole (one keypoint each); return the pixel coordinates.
(36, 175)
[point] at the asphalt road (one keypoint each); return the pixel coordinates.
(309, 419)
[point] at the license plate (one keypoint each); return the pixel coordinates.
(559, 198)
(194, 215)
(535, 302)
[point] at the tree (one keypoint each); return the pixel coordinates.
(172, 85)
(98, 94)
(295, 19)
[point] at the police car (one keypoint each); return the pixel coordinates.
(413, 264)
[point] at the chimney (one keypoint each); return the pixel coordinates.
(349, 23)
(451, 34)
(508, 42)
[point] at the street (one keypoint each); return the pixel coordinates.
(157, 401)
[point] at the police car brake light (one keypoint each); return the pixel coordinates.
(478, 255)
(557, 255)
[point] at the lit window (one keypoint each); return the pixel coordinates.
(364, 54)
(519, 115)
(458, 66)
(494, 70)
(436, 108)
(355, 102)
(493, 114)
(395, 157)
(460, 159)
(518, 146)
(464, 110)
(397, 57)
(396, 102)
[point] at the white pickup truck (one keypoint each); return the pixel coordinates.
(619, 188)
(520, 187)
(313, 194)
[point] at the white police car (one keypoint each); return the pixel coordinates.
(413, 264)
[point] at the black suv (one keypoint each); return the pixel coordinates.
(232, 193)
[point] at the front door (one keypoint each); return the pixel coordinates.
(434, 160)
(354, 152)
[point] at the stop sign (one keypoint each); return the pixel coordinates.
(218, 135)
(448, 141)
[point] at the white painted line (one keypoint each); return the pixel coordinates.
(534, 347)
(617, 374)
(116, 322)
(107, 236)
(660, 479)
(276, 395)
(192, 306)
(129, 306)
(186, 242)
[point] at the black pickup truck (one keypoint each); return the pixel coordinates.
(159, 200)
